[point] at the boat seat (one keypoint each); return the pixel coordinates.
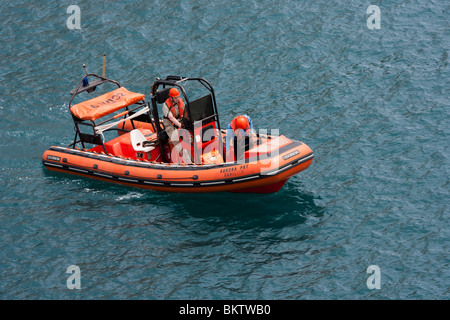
(137, 141)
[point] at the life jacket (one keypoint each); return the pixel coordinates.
(172, 107)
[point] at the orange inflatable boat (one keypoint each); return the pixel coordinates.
(120, 138)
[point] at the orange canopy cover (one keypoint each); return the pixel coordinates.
(105, 104)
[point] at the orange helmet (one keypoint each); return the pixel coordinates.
(242, 123)
(173, 92)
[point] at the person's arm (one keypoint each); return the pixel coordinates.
(174, 120)
(168, 114)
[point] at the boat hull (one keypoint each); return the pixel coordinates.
(259, 174)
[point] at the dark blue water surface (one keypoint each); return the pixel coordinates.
(373, 104)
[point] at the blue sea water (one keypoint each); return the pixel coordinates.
(373, 104)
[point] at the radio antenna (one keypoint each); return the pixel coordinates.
(104, 65)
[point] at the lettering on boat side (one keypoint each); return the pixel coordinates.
(291, 154)
(242, 167)
(54, 158)
(233, 171)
